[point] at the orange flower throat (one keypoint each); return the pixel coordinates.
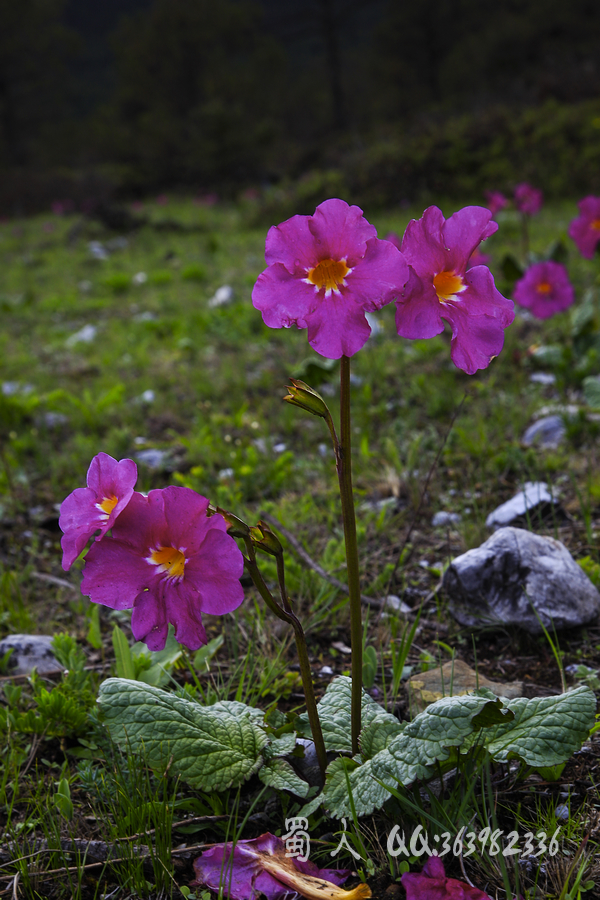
(168, 560)
(328, 274)
(447, 285)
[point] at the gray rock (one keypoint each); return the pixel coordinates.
(152, 457)
(533, 494)
(498, 582)
(30, 651)
(542, 378)
(444, 518)
(548, 432)
(307, 766)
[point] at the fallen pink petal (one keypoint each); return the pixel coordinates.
(168, 561)
(94, 508)
(432, 884)
(545, 289)
(442, 288)
(585, 229)
(324, 273)
(253, 868)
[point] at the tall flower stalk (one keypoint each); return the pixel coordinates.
(344, 471)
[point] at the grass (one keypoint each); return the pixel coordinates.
(166, 370)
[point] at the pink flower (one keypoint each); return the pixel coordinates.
(585, 229)
(168, 561)
(109, 489)
(325, 272)
(495, 201)
(528, 199)
(393, 238)
(250, 869)
(432, 884)
(440, 287)
(477, 258)
(545, 289)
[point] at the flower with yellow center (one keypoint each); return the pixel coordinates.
(96, 507)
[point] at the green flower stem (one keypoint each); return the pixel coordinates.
(305, 673)
(344, 470)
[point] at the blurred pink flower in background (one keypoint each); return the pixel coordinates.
(206, 199)
(394, 239)
(495, 201)
(585, 229)
(162, 199)
(545, 289)
(325, 272)
(170, 562)
(440, 287)
(477, 258)
(109, 489)
(137, 205)
(528, 199)
(432, 884)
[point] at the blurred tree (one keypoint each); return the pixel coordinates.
(198, 93)
(33, 80)
(460, 53)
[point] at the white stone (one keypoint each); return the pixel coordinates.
(513, 572)
(444, 518)
(548, 432)
(30, 651)
(85, 335)
(532, 495)
(221, 297)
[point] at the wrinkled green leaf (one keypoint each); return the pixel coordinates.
(591, 391)
(347, 775)
(379, 734)
(546, 730)
(283, 745)
(279, 774)
(211, 747)
(334, 714)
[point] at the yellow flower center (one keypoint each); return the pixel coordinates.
(447, 285)
(168, 560)
(329, 274)
(108, 504)
(544, 287)
(595, 225)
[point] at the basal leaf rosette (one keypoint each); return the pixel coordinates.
(324, 273)
(168, 561)
(441, 287)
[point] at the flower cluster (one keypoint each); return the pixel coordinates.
(328, 270)
(165, 559)
(528, 199)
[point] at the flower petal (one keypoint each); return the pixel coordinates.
(337, 327)
(463, 232)
(423, 243)
(378, 278)
(476, 340)
(149, 619)
(292, 245)
(214, 573)
(418, 310)
(114, 574)
(340, 231)
(282, 298)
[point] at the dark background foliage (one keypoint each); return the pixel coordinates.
(388, 100)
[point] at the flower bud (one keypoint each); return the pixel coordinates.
(262, 536)
(302, 395)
